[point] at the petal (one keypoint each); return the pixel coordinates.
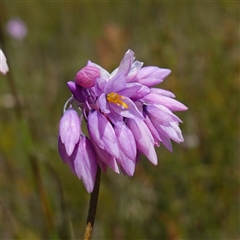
(153, 130)
(130, 112)
(175, 126)
(126, 62)
(126, 141)
(130, 89)
(143, 138)
(126, 164)
(166, 142)
(162, 92)
(171, 133)
(166, 130)
(114, 117)
(151, 76)
(102, 132)
(170, 103)
(115, 84)
(100, 85)
(136, 66)
(104, 158)
(62, 151)
(3, 63)
(76, 91)
(103, 73)
(85, 163)
(142, 92)
(161, 114)
(127, 147)
(69, 130)
(64, 156)
(103, 105)
(115, 71)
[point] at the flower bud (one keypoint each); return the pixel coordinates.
(86, 77)
(69, 130)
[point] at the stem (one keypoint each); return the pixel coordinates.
(92, 207)
(42, 193)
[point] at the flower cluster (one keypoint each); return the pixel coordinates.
(125, 117)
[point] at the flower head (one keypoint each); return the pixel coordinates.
(125, 117)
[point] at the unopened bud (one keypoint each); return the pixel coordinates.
(87, 76)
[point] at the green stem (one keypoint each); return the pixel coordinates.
(92, 207)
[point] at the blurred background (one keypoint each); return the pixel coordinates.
(193, 193)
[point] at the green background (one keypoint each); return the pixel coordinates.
(193, 193)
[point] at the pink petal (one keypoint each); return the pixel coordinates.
(143, 138)
(130, 112)
(127, 147)
(115, 84)
(166, 142)
(170, 103)
(126, 62)
(153, 130)
(69, 130)
(150, 76)
(102, 132)
(103, 73)
(162, 92)
(136, 66)
(161, 113)
(126, 141)
(76, 91)
(85, 163)
(142, 92)
(63, 154)
(105, 158)
(130, 89)
(102, 101)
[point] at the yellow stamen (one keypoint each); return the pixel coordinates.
(117, 99)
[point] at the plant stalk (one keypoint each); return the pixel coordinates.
(92, 207)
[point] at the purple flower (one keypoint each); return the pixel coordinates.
(125, 117)
(17, 28)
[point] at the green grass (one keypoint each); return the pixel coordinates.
(193, 193)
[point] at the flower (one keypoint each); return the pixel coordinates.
(125, 117)
(16, 28)
(3, 63)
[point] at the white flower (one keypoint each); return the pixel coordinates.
(3, 63)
